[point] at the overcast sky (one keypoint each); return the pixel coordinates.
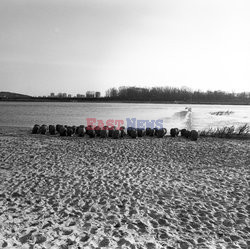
(78, 45)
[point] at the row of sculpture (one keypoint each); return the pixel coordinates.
(112, 131)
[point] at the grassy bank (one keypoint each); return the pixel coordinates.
(241, 132)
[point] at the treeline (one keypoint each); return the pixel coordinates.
(173, 94)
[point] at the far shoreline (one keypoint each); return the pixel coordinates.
(106, 100)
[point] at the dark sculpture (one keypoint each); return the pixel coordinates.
(183, 132)
(43, 129)
(148, 131)
(111, 129)
(97, 131)
(90, 131)
(104, 132)
(52, 130)
(141, 132)
(69, 131)
(36, 129)
(116, 134)
(80, 131)
(174, 132)
(63, 131)
(123, 132)
(187, 134)
(161, 132)
(193, 135)
(58, 126)
(132, 132)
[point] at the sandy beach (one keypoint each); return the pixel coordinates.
(128, 193)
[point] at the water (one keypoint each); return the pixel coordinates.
(26, 114)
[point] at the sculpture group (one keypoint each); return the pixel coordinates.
(112, 131)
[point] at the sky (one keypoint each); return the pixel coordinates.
(78, 45)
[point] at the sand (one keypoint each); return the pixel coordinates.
(128, 193)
